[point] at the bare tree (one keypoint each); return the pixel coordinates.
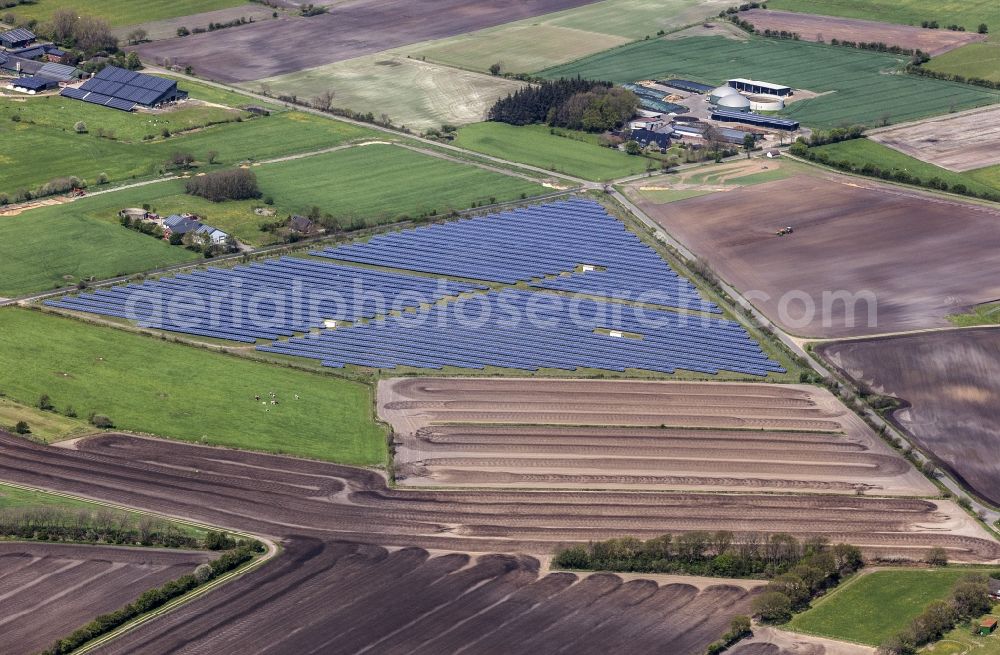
(137, 35)
(324, 101)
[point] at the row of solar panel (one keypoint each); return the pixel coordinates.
(448, 338)
(265, 300)
(97, 99)
(527, 244)
(122, 76)
(123, 91)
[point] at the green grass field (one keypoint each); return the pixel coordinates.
(44, 145)
(962, 641)
(969, 13)
(534, 145)
(876, 605)
(856, 86)
(57, 246)
(381, 183)
(974, 60)
(411, 92)
(985, 314)
(990, 176)
(46, 426)
(123, 12)
(159, 387)
(863, 151)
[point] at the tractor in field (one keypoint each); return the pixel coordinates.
(783, 231)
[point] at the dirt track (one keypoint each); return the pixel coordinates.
(950, 382)
(69, 585)
(350, 29)
(923, 258)
(535, 433)
(813, 28)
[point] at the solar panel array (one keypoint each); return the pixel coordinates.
(543, 244)
(523, 330)
(97, 99)
(128, 86)
(265, 300)
(426, 322)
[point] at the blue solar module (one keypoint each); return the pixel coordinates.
(70, 92)
(571, 245)
(523, 330)
(267, 300)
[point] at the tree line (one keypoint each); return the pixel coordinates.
(154, 598)
(103, 526)
(572, 103)
(968, 599)
(721, 554)
(235, 184)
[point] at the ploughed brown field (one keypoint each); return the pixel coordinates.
(589, 434)
(336, 597)
(958, 142)
(348, 30)
(342, 585)
(951, 385)
(856, 245)
(49, 590)
(826, 28)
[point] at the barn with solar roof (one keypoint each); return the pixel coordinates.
(124, 89)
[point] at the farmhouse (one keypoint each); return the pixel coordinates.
(177, 224)
(301, 225)
(124, 89)
(43, 51)
(647, 137)
(17, 38)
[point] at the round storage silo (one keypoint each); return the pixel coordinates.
(721, 92)
(734, 103)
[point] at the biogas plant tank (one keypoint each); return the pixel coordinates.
(766, 103)
(720, 92)
(734, 102)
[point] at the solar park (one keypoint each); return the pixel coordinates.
(407, 318)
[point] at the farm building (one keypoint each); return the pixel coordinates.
(749, 118)
(760, 88)
(645, 137)
(177, 224)
(987, 626)
(43, 51)
(123, 89)
(32, 85)
(301, 225)
(17, 38)
(13, 64)
(687, 85)
(217, 236)
(59, 72)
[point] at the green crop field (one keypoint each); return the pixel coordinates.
(44, 145)
(410, 92)
(57, 246)
(864, 151)
(855, 83)
(969, 13)
(122, 12)
(974, 60)
(381, 183)
(141, 383)
(533, 44)
(534, 145)
(874, 606)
